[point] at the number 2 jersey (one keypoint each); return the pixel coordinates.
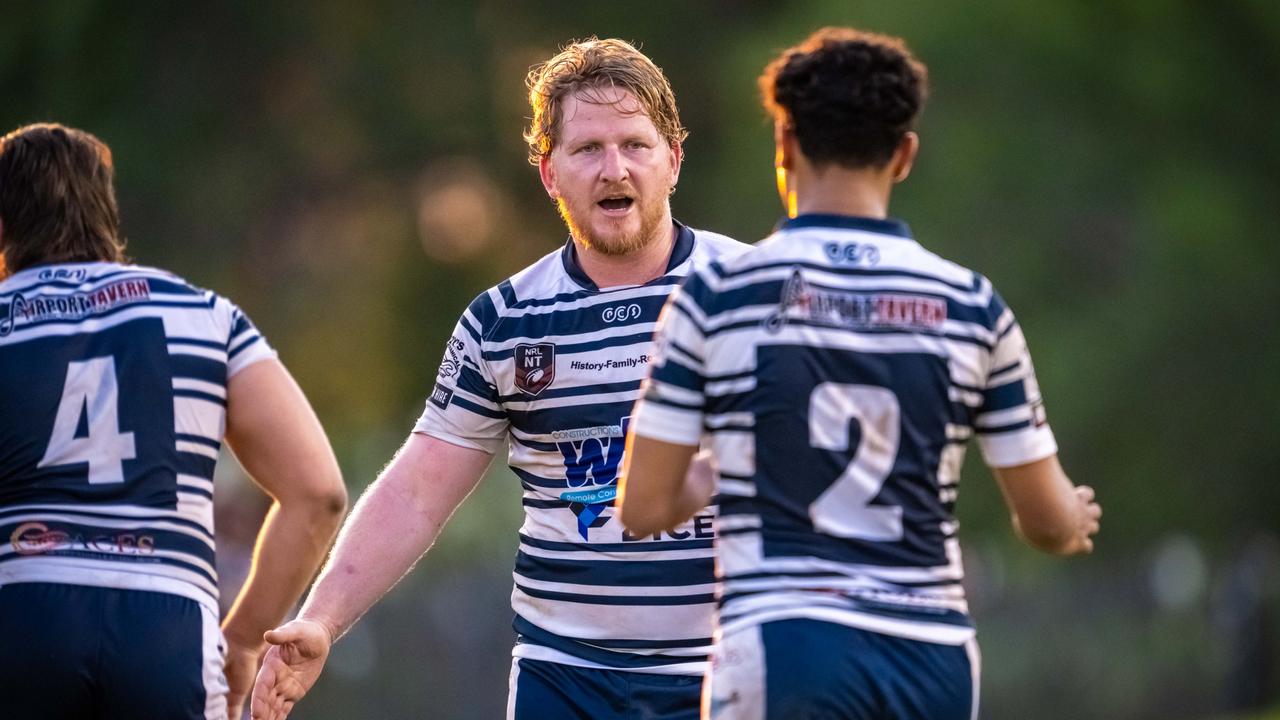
(113, 393)
(553, 364)
(841, 369)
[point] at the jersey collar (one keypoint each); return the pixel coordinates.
(886, 226)
(680, 252)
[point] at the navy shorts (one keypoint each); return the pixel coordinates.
(73, 651)
(551, 691)
(812, 670)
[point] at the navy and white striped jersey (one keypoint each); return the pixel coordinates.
(840, 369)
(113, 392)
(553, 364)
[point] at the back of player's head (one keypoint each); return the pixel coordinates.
(57, 198)
(589, 66)
(850, 96)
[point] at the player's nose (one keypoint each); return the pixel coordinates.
(613, 165)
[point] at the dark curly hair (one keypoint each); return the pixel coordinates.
(850, 95)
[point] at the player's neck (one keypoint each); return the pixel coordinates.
(841, 191)
(634, 268)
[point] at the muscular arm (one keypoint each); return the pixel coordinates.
(392, 525)
(662, 484)
(278, 439)
(1048, 511)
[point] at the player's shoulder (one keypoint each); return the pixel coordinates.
(947, 270)
(715, 246)
(545, 282)
(711, 252)
(89, 277)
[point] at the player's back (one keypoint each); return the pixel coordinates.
(846, 367)
(114, 386)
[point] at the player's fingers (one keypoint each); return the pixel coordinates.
(1085, 493)
(259, 704)
(281, 635)
(1086, 546)
(1095, 511)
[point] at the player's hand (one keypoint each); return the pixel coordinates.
(241, 666)
(1089, 517)
(290, 667)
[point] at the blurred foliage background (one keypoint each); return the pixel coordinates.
(353, 174)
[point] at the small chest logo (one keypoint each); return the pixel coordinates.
(535, 367)
(621, 313)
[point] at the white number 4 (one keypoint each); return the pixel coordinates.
(91, 389)
(845, 508)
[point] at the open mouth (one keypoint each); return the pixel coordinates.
(616, 203)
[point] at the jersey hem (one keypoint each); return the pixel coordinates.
(542, 653)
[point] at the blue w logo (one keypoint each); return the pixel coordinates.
(591, 474)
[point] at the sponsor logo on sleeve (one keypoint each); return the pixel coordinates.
(535, 367)
(452, 363)
(441, 396)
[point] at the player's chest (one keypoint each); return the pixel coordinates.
(599, 350)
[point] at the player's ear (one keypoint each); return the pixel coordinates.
(677, 159)
(905, 156)
(786, 145)
(786, 152)
(547, 171)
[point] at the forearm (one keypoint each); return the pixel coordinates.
(290, 547)
(389, 529)
(660, 487)
(1048, 511)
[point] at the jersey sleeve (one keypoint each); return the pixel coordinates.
(673, 403)
(245, 344)
(1011, 425)
(464, 406)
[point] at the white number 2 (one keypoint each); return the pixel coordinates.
(844, 509)
(91, 389)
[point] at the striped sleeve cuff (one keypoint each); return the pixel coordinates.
(248, 353)
(1017, 447)
(668, 424)
(486, 445)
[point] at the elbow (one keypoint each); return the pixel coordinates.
(334, 501)
(326, 503)
(641, 521)
(1055, 539)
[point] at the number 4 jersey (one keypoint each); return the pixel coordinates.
(113, 393)
(841, 369)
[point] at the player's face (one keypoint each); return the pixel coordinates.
(611, 172)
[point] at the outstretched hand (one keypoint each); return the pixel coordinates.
(1090, 517)
(240, 668)
(291, 666)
